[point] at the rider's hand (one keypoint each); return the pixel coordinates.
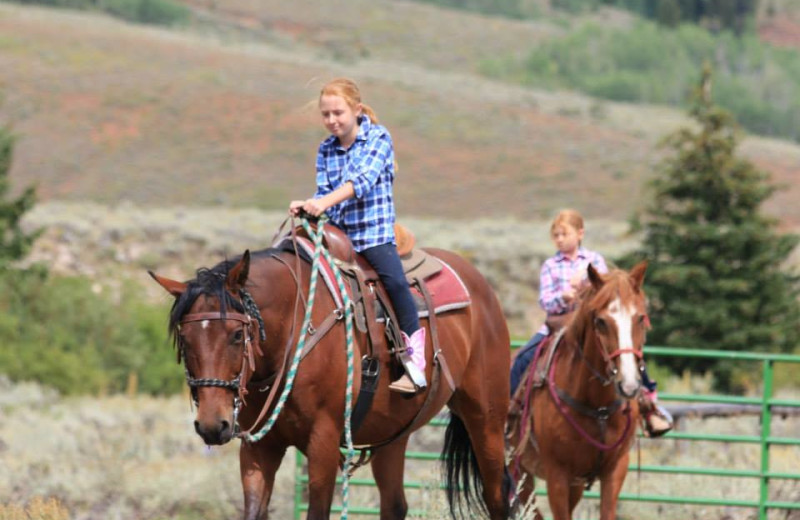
(314, 207)
(576, 279)
(295, 206)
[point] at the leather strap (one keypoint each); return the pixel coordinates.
(319, 332)
(434, 330)
(367, 295)
(432, 391)
(216, 315)
(370, 374)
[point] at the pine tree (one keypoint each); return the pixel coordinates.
(14, 242)
(717, 276)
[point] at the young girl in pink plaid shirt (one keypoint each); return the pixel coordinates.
(562, 275)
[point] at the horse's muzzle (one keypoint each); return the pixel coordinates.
(628, 391)
(215, 434)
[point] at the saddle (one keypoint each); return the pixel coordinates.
(435, 286)
(417, 264)
(518, 429)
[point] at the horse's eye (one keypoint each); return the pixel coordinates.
(238, 336)
(600, 324)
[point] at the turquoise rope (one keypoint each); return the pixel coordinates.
(348, 397)
(348, 315)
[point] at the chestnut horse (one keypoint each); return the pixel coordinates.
(579, 415)
(229, 364)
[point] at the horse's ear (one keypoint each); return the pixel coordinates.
(594, 277)
(637, 273)
(238, 275)
(173, 287)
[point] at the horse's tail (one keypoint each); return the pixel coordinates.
(463, 482)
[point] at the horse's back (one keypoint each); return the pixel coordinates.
(485, 356)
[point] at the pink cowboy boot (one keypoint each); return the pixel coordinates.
(414, 378)
(657, 419)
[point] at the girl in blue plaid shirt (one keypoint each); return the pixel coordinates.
(562, 275)
(355, 173)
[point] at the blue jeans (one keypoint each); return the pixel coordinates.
(528, 351)
(523, 359)
(386, 262)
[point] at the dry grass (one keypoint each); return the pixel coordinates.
(121, 457)
(116, 458)
(37, 509)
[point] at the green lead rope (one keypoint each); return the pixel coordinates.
(348, 316)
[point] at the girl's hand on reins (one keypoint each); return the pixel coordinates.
(296, 207)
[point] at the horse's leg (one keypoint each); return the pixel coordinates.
(387, 468)
(575, 494)
(323, 464)
(610, 486)
(558, 494)
(258, 464)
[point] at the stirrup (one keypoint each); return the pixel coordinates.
(403, 385)
(657, 422)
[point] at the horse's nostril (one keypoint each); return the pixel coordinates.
(197, 427)
(224, 426)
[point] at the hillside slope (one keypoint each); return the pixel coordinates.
(222, 113)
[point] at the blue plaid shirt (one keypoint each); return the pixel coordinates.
(368, 218)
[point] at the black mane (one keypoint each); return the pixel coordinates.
(210, 282)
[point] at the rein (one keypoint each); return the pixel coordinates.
(306, 329)
(601, 414)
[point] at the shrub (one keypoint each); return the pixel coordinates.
(646, 63)
(58, 332)
(157, 12)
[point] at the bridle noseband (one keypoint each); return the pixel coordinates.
(246, 322)
(236, 384)
(609, 357)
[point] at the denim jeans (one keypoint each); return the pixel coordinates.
(523, 359)
(386, 262)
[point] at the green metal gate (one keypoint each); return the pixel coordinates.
(763, 498)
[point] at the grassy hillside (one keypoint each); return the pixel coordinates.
(218, 113)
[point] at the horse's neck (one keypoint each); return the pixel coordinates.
(584, 363)
(275, 290)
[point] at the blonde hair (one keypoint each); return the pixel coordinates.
(348, 90)
(568, 217)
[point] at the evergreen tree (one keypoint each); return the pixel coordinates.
(716, 277)
(669, 13)
(14, 242)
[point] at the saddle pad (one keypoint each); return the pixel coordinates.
(447, 291)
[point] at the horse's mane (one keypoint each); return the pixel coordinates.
(617, 283)
(210, 282)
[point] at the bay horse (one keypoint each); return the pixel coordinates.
(229, 364)
(578, 411)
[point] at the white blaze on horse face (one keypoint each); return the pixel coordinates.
(205, 324)
(629, 373)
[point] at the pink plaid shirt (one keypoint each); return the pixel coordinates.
(555, 275)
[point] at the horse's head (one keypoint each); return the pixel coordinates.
(614, 315)
(215, 333)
